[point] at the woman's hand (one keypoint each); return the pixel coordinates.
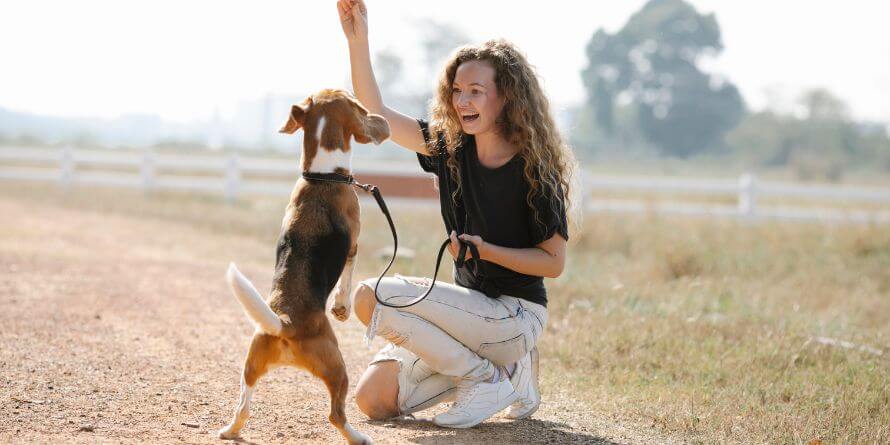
(353, 19)
(454, 247)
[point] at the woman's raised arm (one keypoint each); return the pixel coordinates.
(404, 130)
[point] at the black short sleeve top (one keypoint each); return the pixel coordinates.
(493, 204)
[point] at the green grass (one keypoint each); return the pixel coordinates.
(700, 329)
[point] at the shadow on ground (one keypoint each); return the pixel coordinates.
(519, 432)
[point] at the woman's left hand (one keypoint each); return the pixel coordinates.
(475, 240)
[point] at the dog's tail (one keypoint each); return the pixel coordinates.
(252, 302)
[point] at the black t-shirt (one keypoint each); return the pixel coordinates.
(492, 204)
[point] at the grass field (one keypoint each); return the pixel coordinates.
(701, 330)
(708, 328)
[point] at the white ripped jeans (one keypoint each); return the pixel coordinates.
(455, 332)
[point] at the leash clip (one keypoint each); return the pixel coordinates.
(369, 188)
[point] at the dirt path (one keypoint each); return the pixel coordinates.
(120, 329)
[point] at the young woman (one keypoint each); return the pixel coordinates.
(504, 175)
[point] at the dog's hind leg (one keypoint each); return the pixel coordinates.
(264, 351)
(323, 359)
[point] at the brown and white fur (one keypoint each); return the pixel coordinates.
(315, 258)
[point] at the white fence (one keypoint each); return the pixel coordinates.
(226, 174)
(747, 192)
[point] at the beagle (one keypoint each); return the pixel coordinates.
(315, 258)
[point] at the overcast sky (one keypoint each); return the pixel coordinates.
(184, 59)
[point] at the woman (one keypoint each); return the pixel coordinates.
(503, 175)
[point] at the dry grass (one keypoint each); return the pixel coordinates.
(695, 329)
(701, 327)
(652, 198)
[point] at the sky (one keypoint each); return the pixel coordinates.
(184, 60)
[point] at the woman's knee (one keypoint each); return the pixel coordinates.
(364, 301)
(377, 391)
(392, 289)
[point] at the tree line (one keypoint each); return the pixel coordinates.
(647, 95)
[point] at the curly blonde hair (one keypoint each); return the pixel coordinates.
(525, 120)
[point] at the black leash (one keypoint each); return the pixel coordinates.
(373, 190)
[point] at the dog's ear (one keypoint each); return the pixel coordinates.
(294, 121)
(367, 127)
(371, 128)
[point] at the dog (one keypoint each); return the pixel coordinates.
(315, 258)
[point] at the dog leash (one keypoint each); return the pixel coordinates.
(374, 191)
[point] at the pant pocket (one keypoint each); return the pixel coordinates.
(504, 352)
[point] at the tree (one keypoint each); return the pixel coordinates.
(820, 142)
(652, 63)
(821, 104)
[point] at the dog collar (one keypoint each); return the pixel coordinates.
(340, 178)
(329, 177)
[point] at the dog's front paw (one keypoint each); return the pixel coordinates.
(342, 306)
(340, 312)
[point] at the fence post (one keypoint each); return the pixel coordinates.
(747, 195)
(233, 178)
(148, 171)
(586, 191)
(67, 166)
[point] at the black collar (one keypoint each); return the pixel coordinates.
(329, 177)
(340, 178)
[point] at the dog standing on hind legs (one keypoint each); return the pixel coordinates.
(314, 259)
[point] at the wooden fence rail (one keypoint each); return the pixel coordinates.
(234, 175)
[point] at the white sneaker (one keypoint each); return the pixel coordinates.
(525, 381)
(476, 401)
